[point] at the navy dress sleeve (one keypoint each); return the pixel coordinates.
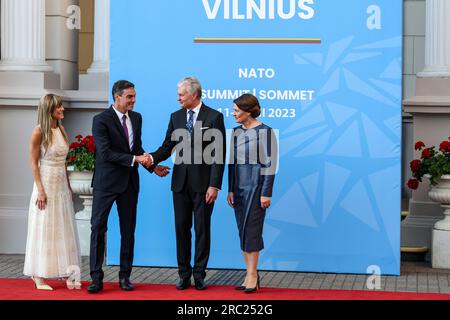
(269, 160)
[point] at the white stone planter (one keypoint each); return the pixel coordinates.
(441, 193)
(441, 232)
(80, 182)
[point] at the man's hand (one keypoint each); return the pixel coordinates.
(265, 202)
(211, 195)
(149, 159)
(146, 160)
(161, 171)
(140, 159)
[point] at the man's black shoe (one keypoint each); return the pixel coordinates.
(200, 284)
(95, 287)
(125, 284)
(183, 284)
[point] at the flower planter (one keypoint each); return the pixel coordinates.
(441, 193)
(80, 182)
(441, 232)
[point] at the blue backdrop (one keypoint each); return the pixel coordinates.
(328, 75)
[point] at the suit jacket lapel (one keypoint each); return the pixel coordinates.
(180, 120)
(119, 125)
(197, 133)
(203, 113)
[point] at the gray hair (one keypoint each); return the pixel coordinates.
(193, 86)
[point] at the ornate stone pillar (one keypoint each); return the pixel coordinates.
(437, 38)
(23, 36)
(437, 70)
(430, 108)
(101, 38)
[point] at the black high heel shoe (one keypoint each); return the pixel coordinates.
(251, 290)
(242, 286)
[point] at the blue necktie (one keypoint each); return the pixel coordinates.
(190, 123)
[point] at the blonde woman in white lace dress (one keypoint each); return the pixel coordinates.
(52, 250)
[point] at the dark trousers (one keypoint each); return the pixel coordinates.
(188, 205)
(126, 206)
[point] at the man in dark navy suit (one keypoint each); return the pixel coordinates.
(117, 134)
(197, 134)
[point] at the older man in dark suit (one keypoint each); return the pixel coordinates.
(197, 133)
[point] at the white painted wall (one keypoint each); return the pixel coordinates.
(413, 62)
(16, 182)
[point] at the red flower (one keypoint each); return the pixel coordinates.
(444, 146)
(419, 145)
(415, 165)
(74, 145)
(90, 145)
(426, 154)
(82, 153)
(413, 184)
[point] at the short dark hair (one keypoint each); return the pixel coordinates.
(120, 86)
(249, 103)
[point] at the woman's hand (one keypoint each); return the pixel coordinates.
(41, 201)
(230, 199)
(265, 202)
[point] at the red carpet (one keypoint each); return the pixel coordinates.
(17, 289)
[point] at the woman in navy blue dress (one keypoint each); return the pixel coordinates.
(251, 174)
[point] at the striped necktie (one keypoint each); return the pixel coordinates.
(190, 123)
(125, 128)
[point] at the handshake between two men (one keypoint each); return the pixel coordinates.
(147, 161)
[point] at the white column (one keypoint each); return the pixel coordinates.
(23, 36)
(437, 39)
(101, 38)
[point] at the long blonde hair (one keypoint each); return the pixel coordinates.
(46, 107)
